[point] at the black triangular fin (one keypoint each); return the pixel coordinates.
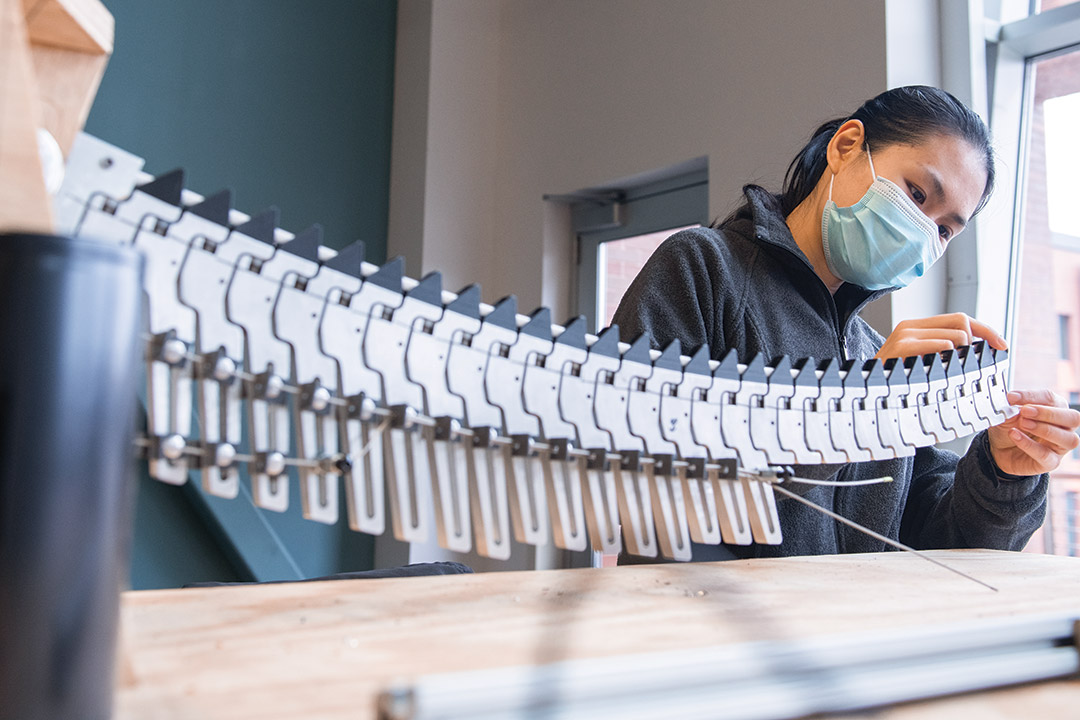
(429, 289)
(669, 358)
(607, 344)
(262, 226)
(573, 333)
(639, 350)
(389, 275)
(505, 313)
(467, 302)
(306, 244)
(699, 362)
(349, 260)
(167, 188)
(215, 208)
(539, 324)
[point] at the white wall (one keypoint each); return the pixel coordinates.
(531, 97)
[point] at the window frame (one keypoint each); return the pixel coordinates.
(652, 202)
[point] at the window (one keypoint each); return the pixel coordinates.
(1034, 86)
(1063, 337)
(619, 225)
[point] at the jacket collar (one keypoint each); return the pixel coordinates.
(769, 227)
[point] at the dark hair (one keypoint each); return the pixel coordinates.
(904, 115)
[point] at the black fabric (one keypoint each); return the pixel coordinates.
(415, 570)
(748, 286)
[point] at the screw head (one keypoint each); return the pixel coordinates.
(224, 455)
(172, 447)
(224, 369)
(275, 463)
(173, 351)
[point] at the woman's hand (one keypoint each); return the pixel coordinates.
(1034, 440)
(937, 334)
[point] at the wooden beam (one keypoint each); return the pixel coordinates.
(82, 25)
(67, 81)
(24, 203)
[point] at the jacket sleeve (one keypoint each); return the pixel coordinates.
(673, 296)
(966, 502)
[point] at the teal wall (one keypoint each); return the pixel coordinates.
(287, 103)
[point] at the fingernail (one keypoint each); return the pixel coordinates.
(1029, 412)
(1013, 396)
(1016, 434)
(1027, 424)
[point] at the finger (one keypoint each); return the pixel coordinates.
(1036, 451)
(956, 338)
(910, 348)
(1060, 439)
(1062, 417)
(1035, 397)
(953, 321)
(988, 334)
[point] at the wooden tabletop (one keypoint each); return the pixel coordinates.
(326, 649)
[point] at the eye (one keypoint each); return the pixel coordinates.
(944, 232)
(916, 194)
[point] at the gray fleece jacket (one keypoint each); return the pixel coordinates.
(748, 286)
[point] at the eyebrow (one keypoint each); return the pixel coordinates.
(939, 197)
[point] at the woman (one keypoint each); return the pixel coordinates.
(867, 206)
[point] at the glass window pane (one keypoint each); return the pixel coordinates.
(1041, 5)
(1048, 294)
(618, 265)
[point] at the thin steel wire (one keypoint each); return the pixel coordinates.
(879, 536)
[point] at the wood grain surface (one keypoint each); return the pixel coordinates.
(325, 649)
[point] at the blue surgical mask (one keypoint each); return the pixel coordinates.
(882, 241)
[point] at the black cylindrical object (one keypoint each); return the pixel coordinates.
(69, 339)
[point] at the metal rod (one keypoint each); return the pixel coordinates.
(878, 536)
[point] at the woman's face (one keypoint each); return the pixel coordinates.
(943, 174)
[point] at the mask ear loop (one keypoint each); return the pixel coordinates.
(871, 159)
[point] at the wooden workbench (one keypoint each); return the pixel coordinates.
(325, 649)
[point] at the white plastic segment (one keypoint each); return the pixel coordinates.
(983, 389)
(296, 314)
(765, 408)
(408, 465)
(503, 385)
(865, 410)
(168, 377)
(663, 474)
(998, 393)
(818, 423)
(487, 465)
(203, 277)
(249, 301)
(448, 456)
(705, 409)
(577, 391)
(564, 469)
(676, 418)
(93, 166)
(948, 406)
(341, 330)
(913, 388)
(842, 413)
(888, 410)
(631, 484)
(489, 462)
(791, 417)
(426, 358)
(751, 397)
(930, 407)
(735, 419)
(967, 389)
